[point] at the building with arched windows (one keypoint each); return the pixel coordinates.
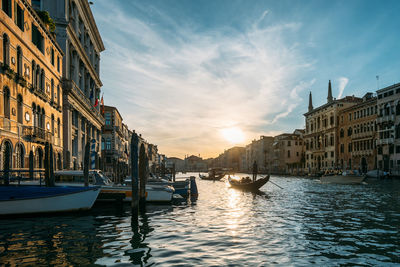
(322, 132)
(28, 107)
(357, 135)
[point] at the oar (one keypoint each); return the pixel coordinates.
(275, 184)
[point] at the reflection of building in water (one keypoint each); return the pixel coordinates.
(321, 135)
(30, 87)
(388, 124)
(357, 134)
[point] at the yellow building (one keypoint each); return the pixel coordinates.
(321, 132)
(30, 85)
(357, 133)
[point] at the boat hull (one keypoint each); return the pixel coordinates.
(46, 199)
(340, 179)
(154, 193)
(249, 186)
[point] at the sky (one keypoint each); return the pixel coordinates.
(199, 77)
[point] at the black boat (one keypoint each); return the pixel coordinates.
(215, 177)
(247, 184)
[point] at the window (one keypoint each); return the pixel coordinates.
(341, 133)
(341, 148)
(107, 117)
(6, 100)
(58, 94)
(36, 4)
(332, 154)
(58, 64)
(288, 153)
(108, 144)
(52, 90)
(332, 120)
(350, 147)
(19, 61)
(289, 143)
(332, 140)
(349, 116)
(58, 128)
(6, 50)
(6, 5)
(37, 38)
(380, 96)
(297, 153)
(20, 111)
(52, 56)
(19, 19)
(349, 131)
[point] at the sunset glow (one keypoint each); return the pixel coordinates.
(233, 135)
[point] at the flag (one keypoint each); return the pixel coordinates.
(96, 101)
(102, 104)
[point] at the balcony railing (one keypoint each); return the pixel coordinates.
(385, 141)
(72, 87)
(36, 134)
(385, 118)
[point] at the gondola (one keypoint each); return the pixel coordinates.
(248, 186)
(216, 177)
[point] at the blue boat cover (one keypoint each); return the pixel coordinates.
(13, 192)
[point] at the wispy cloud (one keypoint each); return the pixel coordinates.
(343, 81)
(179, 87)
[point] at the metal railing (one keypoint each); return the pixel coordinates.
(16, 176)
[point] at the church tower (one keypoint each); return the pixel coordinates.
(310, 106)
(330, 98)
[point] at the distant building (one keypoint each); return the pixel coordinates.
(260, 151)
(231, 159)
(115, 145)
(288, 153)
(388, 124)
(321, 132)
(30, 87)
(179, 163)
(357, 135)
(195, 164)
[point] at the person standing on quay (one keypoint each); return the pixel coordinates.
(255, 171)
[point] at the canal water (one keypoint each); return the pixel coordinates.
(306, 223)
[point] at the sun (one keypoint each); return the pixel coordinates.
(234, 135)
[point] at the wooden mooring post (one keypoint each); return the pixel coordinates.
(135, 180)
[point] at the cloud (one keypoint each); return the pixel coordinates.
(179, 86)
(342, 84)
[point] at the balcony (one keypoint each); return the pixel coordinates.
(385, 118)
(40, 93)
(37, 135)
(386, 141)
(71, 88)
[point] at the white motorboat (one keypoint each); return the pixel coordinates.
(154, 193)
(26, 199)
(347, 177)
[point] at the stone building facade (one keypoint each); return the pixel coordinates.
(79, 38)
(320, 136)
(288, 153)
(30, 86)
(114, 144)
(388, 125)
(357, 134)
(260, 151)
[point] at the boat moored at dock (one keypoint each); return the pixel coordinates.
(31, 199)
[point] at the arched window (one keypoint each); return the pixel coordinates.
(3, 153)
(42, 80)
(43, 119)
(19, 61)
(341, 133)
(38, 81)
(52, 90)
(20, 159)
(33, 73)
(34, 118)
(58, 128)
(349, 131)
(52, 124)
(39, 117)
(58, 95)
(6, 50)
(20, 110)
(6, 100)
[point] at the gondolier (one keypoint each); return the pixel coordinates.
(255, 171)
